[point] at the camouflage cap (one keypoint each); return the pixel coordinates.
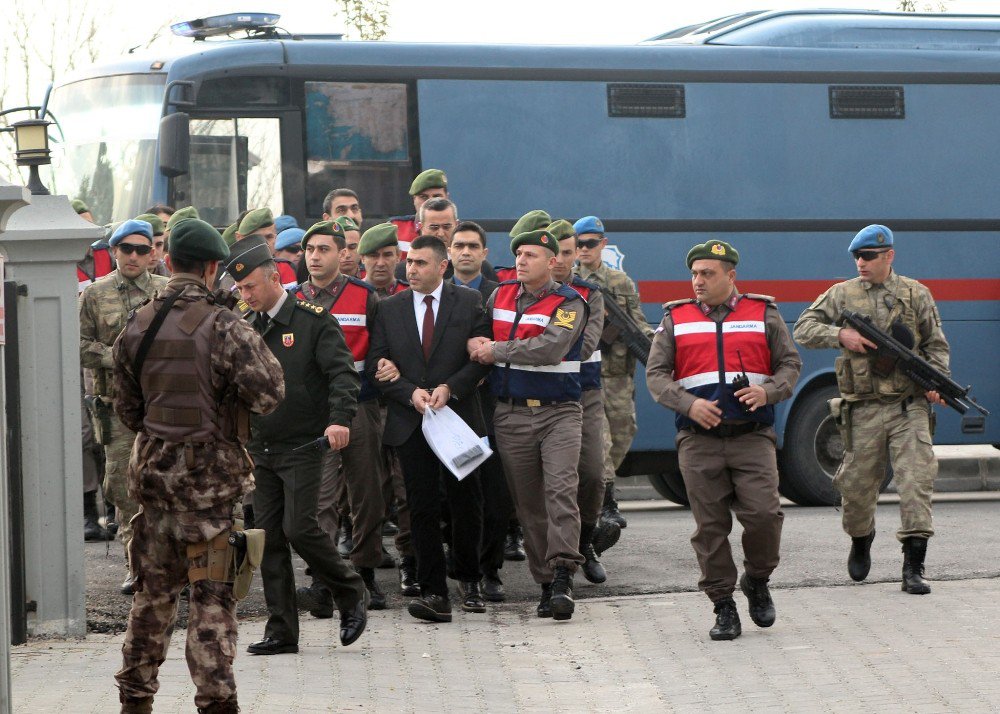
(79, 206)
(229, 235)
(193, 239)
(348, 224)
(254, 220)
(180, 214)
(431, 178)
(247, 255)
(531, 221)
(713, 250)
(154, 220)
(541, 238)
(323, 228)
(378, 237)
(561, 229)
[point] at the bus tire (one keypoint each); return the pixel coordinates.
(670, 485)
(812, 452)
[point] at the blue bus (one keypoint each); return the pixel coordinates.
(781, 132)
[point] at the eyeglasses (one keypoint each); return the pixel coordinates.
(130, 248)
(589, 243)
(868, 255)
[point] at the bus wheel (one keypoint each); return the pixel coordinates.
(813, 451)
(670, 485)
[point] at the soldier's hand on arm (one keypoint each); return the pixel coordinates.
(705, 413)
(484, 353)
(753, 396)
(852, 340)
(420, 400)
(474, 343)
(387, 371)
(440, 396)
(338, 436)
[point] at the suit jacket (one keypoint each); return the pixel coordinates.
(487, 399)
(394, 335)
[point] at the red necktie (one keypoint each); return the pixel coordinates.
(428, 336)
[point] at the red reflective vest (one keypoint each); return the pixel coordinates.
(286, 271)
(407, 231)
(505, 274)
(706, 359)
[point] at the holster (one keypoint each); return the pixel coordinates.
(230, 557)
(100, 411)
(840, 410)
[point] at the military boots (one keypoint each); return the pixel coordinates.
(727, 621)
(610, 511)
(759, 596)
(562, 594)
(859, 562)
(914, 551)
(227, 707)
(592, 568)
(135, 705)
(374, 591)
(544, 608)
(92, 529)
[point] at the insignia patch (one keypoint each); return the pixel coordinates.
(243, 306)
(564, 318)
(239, 267)
(718, 249)
(288, 339)
(880, 238)
(544, 239)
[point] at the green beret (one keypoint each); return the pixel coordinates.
(255, 220)
(561, 229)
(154, 220)
(542, 238)
(323, 228)
(348, 224)
(530, 221)
(713, 250)
(378, 237)
(246, 256)
(180, 214)
(193, 239)
(431, 178)
(229, 235)
(79, 206)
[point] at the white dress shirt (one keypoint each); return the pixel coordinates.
(281, 301)
(419, 307)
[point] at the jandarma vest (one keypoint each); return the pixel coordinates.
(103, 264)
(550, 382)
(176, 378)
(286, 273)
(351, 311)
(706, 360)
(590, 369)
(406, 233)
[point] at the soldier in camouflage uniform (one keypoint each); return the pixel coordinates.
(617, 364)
(882, 417)
(204, 371)
(104, 308)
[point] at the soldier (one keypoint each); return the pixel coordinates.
(537, 336)
(187, 392)
(342, 202)
(881, 416)
(617, 364)
(590, 495)
(350, 261)
(288, 246)
(431, 183)
(176, 217)
(104, 308)
(379, 251)
(260, 221)
(321, 388)
(157, 266)
(725, 439)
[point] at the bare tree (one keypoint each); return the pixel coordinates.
(369, 17)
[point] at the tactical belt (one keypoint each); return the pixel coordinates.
(534, 402)
(724, 431)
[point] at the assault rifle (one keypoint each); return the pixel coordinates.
(620, 323)
(892, 352)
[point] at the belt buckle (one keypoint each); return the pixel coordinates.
(533, 402)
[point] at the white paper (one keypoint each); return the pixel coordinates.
(452, 441)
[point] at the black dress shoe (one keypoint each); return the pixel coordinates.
(271, 646)
(317, 599)
(761, 605)
(353, 622)
(472, 597)
(859, 561)
(544, 608)
(727, 621)
(513, 547)
(408, 577)
(128, 587)
(493, 587)
(433, 608)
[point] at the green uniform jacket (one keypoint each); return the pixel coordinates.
(321, 384)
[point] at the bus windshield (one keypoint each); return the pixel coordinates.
(109, 156)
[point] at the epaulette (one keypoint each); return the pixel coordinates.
(668, 306)
(243, 308)
(309, 307)
(367, 286)
(756, 296)
(577, 280)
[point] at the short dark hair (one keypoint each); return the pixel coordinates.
(337, 193)
(183, 265)
(338, 239)
(438, 204)
(471, 227)
(432, 242)
(162, 208)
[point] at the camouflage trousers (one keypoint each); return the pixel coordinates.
(115, 486)
(883, 433)
(159, 557)
(619, 406)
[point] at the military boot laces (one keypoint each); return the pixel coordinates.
(592, 568)
(914, 552)
(727, 621)
(859, 562)
(562, 594)
(759, 597)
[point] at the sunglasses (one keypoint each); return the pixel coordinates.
(589, 243)
(130, 248)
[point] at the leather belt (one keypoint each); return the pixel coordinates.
(533, 402)
(723, 431)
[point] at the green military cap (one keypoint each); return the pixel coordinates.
(561, 229)
(348, 224)
(713, 250)
(154, 220)
(246, 256)
(255, 220)
(79, 206)
(431, 178)
(323, 228)
(193, 239)
(531, 221)
(542, 238)
(229, 235)
(378, 237)
(180, 214)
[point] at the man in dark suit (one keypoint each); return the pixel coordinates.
(424, 331)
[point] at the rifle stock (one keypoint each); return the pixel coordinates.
(636, 341)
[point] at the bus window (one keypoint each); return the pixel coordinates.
(357, 136)
(235, 164)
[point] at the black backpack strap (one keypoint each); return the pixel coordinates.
(154, 327)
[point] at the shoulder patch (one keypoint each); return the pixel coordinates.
(309, 307)
(668, 306)
(565, 318)
(757, 296)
